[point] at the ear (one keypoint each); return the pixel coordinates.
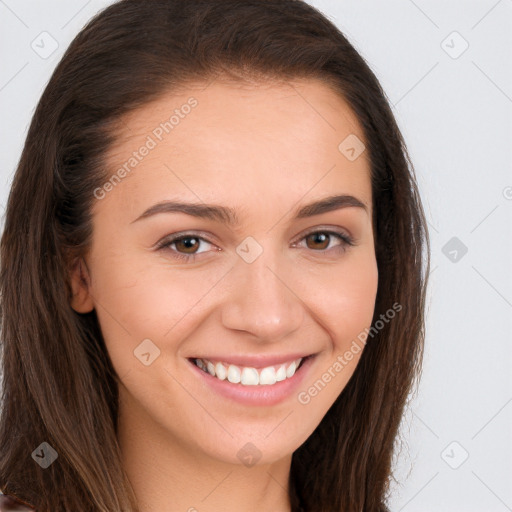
(81, 301)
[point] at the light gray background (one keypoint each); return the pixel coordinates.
(455, 110)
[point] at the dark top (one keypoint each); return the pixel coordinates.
(11, 504)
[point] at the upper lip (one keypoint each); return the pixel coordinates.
(254, 361)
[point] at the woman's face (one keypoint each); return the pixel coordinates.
(264, 276)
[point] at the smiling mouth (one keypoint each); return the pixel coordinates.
(249, 376)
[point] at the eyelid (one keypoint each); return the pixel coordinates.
(343, 233)
(174, 237)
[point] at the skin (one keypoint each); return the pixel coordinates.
(264, 150)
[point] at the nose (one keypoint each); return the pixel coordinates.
(261, 301)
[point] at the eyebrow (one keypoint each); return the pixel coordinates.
(229, 216)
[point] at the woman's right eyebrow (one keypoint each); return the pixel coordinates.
(218, 213)
(227, 215)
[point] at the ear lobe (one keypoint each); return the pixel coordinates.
(81, 301)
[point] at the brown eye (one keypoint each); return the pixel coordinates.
(326, 241)
(320, 239)
(185, 247)
(188, 244)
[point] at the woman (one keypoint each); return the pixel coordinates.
(213, 269)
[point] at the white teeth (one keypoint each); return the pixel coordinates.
(281, 373)
(248, 376)
(210, 368)
(233, 374)
(268, 376)
(220, 371)
(291, 370)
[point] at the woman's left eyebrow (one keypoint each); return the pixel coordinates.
(329, 204)
(229, 216)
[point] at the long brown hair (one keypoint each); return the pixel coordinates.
(59, 385)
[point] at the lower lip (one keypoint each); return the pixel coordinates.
(270, 394)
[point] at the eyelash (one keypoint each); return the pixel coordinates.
(346, 242)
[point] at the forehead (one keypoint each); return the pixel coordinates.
(224, 139)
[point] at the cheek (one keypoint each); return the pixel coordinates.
(344, 307)
(355, 309)
(137, 302)
(343, 297)
(343, 302)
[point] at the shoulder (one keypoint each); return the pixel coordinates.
(11, 504)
